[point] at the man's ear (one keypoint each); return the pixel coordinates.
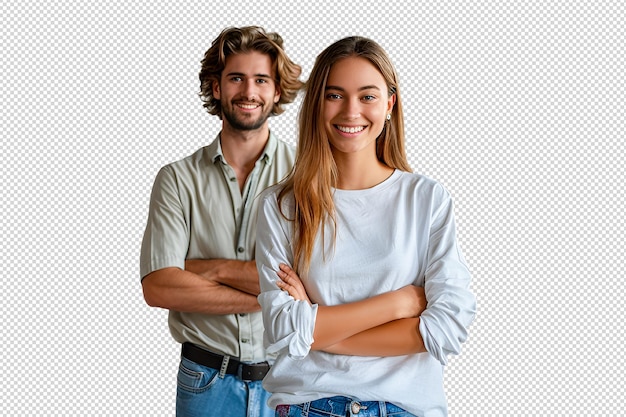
(277, 94)
(216, 90)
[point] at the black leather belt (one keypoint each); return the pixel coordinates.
(247, 372)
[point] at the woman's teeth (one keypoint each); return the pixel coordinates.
(346, 129)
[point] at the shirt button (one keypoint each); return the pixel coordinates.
(244, 340)
(233, 179)
(240, 249)
(242, 314)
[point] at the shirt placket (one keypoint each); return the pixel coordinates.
(248, 194)
(242, 207)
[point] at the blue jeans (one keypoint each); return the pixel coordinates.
(341, 407)
(202, 393)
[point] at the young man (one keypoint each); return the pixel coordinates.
(197, 255)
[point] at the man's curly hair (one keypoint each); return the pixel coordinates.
(243, 40)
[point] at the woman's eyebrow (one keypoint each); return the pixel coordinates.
(366, 87)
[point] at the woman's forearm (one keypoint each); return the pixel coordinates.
(336, 323)
(399, 337)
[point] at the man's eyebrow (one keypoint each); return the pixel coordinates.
(241, 74)
(365, 87)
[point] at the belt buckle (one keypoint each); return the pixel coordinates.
(245, 372)
(251, 372)
(240, 372)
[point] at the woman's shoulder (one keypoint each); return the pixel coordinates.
(272, 190)
(422, 188)
(272, 194)
(421, 181)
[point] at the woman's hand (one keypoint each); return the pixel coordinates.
(411, 301)
(291, 283)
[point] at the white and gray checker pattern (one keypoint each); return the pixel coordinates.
(517, 107)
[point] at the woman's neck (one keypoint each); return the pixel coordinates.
(356, 173)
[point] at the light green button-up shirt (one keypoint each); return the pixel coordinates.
(197, 211)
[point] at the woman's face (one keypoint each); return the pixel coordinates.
(356, 104)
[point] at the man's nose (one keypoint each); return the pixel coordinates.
(249, 90)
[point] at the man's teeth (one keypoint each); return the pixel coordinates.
(346, 129)
(248, 106)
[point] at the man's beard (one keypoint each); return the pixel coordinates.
(244, 123)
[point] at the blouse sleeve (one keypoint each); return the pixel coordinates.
(289, 323)
(451, 304)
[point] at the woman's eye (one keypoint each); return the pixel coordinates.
(333, 96)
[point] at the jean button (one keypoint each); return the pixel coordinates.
(356, 407)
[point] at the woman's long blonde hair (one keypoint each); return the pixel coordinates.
(314, 175)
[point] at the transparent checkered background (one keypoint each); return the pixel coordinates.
(517, 107)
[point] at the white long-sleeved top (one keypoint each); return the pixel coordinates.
(397, 233)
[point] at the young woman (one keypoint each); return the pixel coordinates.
(364, 289)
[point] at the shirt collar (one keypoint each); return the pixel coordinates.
(215, 150)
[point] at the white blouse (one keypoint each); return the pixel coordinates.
(397, 233)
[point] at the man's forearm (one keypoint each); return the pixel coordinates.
(240, 275)
(182, 290)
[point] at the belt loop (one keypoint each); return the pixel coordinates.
(305, 409)
(382, 408)
(224, 366)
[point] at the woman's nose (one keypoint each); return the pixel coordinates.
(352, 110)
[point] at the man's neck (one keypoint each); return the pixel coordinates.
(243, 148)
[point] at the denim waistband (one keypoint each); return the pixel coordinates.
(340, 406)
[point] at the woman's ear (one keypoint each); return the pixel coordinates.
(391, 101)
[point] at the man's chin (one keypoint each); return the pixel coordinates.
(247, 124)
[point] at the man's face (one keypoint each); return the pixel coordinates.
(247, 90)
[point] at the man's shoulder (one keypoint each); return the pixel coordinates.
(283, 153)
(194, 161)
(284, 146)
(284, 143)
